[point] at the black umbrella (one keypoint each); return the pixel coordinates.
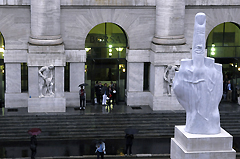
(83, 84)
(131, 131)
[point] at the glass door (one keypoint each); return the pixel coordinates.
(106, 71)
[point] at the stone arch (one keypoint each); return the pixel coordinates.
(138, 24)
(127, 37)
(219, 16)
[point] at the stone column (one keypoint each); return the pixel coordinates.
(77, 75)
(45, 22)
(46, 48)
(169, 29)
(168, 48)
(13, 85)
(135, 94)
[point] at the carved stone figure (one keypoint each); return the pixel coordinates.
(46, 83)
(169, 76)
(198, 85)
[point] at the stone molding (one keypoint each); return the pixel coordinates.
(138, 55)
(169, 41)
(75, 55)
(15, 56)
(126, 2)
(45, 40)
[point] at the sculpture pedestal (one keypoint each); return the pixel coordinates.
(46, 104)
(197, 146)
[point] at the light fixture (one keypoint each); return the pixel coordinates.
(1, 50)
(87, 49)
(236, 65)
(124, 70)
(110, 46)
(119, 49)
(110, 54)
(110, 50)
(231, 64)
(120, 66)
(238, 68)
(213, 49)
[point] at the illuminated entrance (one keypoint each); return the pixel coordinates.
(223, 44)
(106, 59)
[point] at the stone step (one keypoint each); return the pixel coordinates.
(102, 125)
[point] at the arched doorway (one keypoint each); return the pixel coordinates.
(223, 44)
(106, 47)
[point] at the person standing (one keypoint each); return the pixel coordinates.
(95, 87)
(229, 93)
(129, 141)
(33, 146)
(82, 98)
(100, 149)
(109, 95)
(114, 93)
(104, 93)
(99, 91)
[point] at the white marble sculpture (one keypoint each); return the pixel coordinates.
(46, 81)
(169, 76)
(198, 85)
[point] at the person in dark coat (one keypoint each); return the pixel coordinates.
(82, 98)
(33, 146)
(99, 91)
(129, 141)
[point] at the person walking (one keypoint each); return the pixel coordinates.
(229, 93)
(82, 98)
(129, 141)
(101, 150)
(104, 93)
(33, 146)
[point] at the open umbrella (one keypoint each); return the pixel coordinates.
(34, 131)
(131, 131)
(83, 84)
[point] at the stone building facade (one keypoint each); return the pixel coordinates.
(159, 33)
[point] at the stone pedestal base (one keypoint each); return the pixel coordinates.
(197, 146)
(166, 102)
(47, 104)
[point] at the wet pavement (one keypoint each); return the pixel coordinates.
(85, 147)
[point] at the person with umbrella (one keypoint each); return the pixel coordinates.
(82, 97)
(33, 146)
(129, 139)
(33, 140)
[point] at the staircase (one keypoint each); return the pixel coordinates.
(110, 126)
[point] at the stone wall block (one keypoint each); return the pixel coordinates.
(13, 77)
